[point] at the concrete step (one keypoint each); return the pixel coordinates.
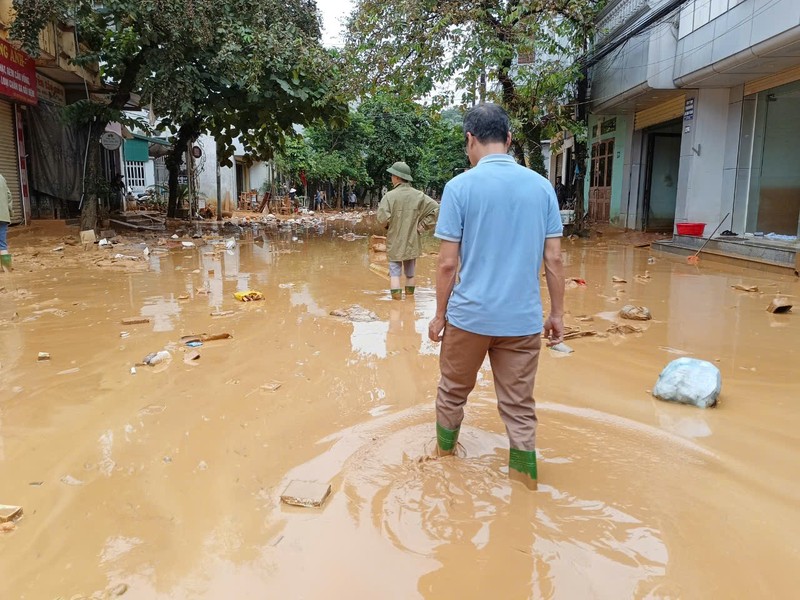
(783, 255)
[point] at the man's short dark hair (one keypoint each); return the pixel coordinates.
(487, 122)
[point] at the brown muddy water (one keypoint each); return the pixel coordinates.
(165, 484)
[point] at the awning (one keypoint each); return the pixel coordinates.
(137, 150)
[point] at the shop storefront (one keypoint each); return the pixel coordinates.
(17, 88)
(773, 198)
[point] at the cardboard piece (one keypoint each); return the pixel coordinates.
(306, 493)
(88, 236)
(9, 512)
(135, 320)
(779, 305)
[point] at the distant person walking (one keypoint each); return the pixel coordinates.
(406, 213)
(353, 199)
(5, 220)
(497, 222)
(561, 192)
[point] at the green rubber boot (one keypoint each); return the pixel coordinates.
(523, 462)
(446, 440)
(410, 290)
(5, 261)
(397, 294)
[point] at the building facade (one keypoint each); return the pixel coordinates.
(693, 115)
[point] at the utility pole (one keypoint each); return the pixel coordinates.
(581, 155)
(219, 183)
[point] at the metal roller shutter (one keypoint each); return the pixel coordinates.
(772, 81)
(9, 163)
(666, 111)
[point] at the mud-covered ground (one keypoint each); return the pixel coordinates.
(165, 483)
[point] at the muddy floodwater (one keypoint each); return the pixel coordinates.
(166, 483)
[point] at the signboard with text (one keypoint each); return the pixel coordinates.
(17, 74)
(50, 91)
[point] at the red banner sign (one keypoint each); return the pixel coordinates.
(17, 74)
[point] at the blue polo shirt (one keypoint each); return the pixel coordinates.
(501, 213)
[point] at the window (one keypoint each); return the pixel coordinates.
(134, 176)
(608, 126)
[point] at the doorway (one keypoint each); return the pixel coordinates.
(241, 180)
(661, 178)
(600, 181)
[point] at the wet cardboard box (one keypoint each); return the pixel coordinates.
(9, 512)
(309, 494)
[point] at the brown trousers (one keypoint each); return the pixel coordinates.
(514, 361)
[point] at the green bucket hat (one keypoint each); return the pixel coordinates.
(402, 170)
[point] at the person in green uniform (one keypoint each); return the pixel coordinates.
(5, 219)
(406, 212)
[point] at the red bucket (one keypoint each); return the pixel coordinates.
(691, 228)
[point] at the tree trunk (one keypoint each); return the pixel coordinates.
(187, 132)
(89, 209)
(96, 128)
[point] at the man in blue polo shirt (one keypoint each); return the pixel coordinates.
(499, 220)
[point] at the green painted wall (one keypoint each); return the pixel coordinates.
(619, 135)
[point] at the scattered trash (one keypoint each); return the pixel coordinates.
(117, 590)
(103, 243)
(175, 236)
(124, 334)
(58, 249)
(202, 465)
(183, 297)
(36, 483)
(651, 260)
(571, 333)
(272, 386)
(70, 480)
(9, 512)
(584, 318)
(745, 288)
(248, 296)
(573, 282)
(230, 244)
(779, 306)
(88, 236)
(7, 527)
(378, 243)
(43, 356)
(167, 460)
(562, 347)
(146, 251)
(133, 370)
(635, 313)
(125, 257)
(188, 244)
(222, 313)
(355, 313)
(155, 358)
(135, 320)
(643, 278)
(205, 337)
(381, 270)
(624, 329)
(194, 344)
(306, 493)
(689, 381)
(191, 358)
(616, 279)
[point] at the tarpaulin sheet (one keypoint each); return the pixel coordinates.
(57, 150)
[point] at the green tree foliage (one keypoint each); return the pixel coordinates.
(519, 52)
(236, 68)
(380, 132)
